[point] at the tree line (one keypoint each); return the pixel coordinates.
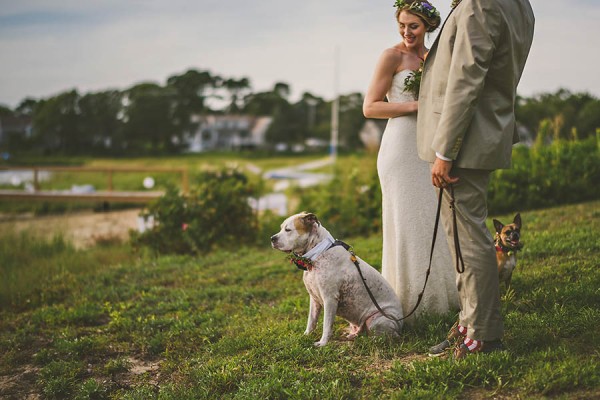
(151, 118)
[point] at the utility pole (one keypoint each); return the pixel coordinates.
(335, 106)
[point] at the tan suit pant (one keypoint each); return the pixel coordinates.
(478, 286)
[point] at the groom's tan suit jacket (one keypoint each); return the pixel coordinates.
(468, 89)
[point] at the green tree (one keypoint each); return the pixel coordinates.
(16, 142)
(286, 125)
(588, 119)
(101, 122)
(308, 111)
(191, 90)
(236, 89)
(149, 126)
(351, 120)
(564, 109)
(56, 124)
(282, 89)
(6, 111)
(27, 107)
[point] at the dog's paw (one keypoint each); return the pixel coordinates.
(320, 343)
(351, 336)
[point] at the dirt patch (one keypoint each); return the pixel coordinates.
(20, 385)
(83, 229)
(139, 367)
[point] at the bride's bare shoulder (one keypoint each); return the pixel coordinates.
(395, 52)
(391, 58)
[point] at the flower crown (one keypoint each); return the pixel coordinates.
(418, 6)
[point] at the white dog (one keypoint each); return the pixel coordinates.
(333, 282)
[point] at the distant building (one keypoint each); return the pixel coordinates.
(15, 125)
(228, 132)
(526, 137)
(371, 132)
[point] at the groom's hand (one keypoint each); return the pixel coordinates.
(440, 173)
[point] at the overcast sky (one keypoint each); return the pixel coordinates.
(47, 47)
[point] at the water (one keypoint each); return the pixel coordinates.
(17, 178)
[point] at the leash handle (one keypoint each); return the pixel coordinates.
(459, 268)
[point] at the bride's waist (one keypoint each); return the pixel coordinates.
(408, 117)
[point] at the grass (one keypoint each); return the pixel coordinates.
(106, 323)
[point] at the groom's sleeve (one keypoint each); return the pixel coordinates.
(474, 44)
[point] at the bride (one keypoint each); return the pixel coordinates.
(409, 200)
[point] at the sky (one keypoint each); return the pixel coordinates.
(48, 47)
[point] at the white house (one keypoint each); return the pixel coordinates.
(16, 125)
(371, 132)
(228, 132)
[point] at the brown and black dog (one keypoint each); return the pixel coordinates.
(508, 242)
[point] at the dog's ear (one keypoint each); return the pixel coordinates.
(309, 219)
(498, 225)
(517, 220)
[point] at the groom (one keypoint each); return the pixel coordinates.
(466, 128)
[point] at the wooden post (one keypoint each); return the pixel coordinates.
(36, 182)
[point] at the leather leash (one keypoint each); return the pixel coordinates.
(459, 268)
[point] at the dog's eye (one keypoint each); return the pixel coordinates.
(288, 230)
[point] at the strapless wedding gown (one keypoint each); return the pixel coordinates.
(409, 207)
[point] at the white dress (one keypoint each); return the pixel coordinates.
(409, 207)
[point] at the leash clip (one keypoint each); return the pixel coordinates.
(352, 254)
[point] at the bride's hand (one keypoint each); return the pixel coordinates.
(415, 105)
(407, 108)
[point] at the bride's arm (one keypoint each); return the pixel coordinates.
(374, 105)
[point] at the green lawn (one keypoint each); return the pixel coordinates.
(109, 323)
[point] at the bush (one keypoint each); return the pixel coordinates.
(350, 203)
(216, 212)
(547, 175)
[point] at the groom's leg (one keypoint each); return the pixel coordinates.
(478, 286)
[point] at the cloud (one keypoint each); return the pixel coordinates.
(49, 47)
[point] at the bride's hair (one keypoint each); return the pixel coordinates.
(422, 9)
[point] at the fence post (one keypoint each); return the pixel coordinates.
(36, 182)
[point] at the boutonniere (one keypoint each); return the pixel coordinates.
(455, 3)
(302, 263)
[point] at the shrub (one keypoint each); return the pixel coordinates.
(216, 212)
(350, 203)
(547, 175)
